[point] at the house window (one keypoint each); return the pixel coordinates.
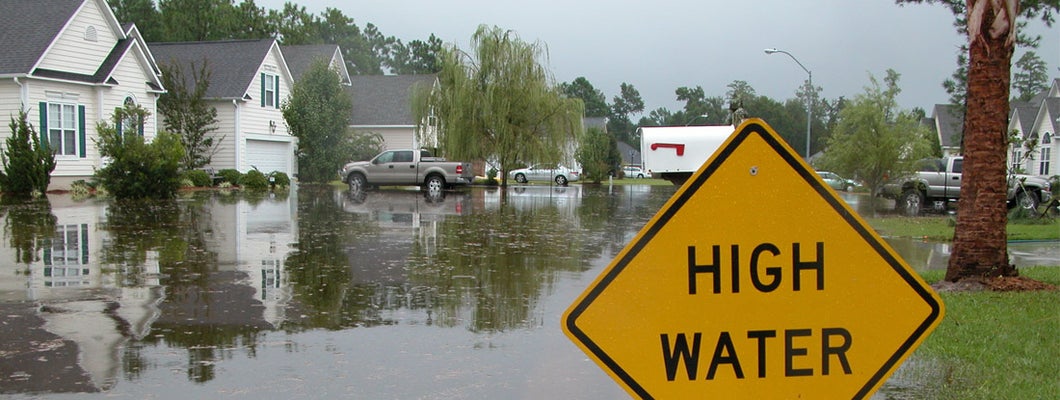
(67, 246)
(1016, 159)
(62, 128)
(1043, 161)
(270, 90)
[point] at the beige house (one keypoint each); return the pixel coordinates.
(70, 65)
(249, 80)
(383, 104)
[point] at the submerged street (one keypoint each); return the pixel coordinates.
(318, 292)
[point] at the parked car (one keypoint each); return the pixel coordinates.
(559, 174)
(406, 167)
(937, 183)
(837, 182)
(635, 172)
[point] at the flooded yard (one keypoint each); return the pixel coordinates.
(314, 293)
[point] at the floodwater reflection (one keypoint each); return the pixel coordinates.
(316, 292)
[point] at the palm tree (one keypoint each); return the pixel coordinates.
(979, 240)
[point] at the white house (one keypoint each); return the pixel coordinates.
(70, 64)
(1037, 121)
(249, 80)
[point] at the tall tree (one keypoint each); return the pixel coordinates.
(141, 12)
(623, 106)
(499, 103)
(980, 242)
(418, 57)
(874, 138)
(317, 113)
(980, 246)
(592, 98)
(1031, 76)
(186, 112)
(598, 154)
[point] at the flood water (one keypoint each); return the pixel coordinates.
(312, 293)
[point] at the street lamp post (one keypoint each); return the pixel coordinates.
(809, 97)
(695, 118)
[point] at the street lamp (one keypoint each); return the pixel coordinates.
(809, 97)
(695, 118)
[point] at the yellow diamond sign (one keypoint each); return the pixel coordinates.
(754, 281)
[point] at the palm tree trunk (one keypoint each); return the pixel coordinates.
(979, 241)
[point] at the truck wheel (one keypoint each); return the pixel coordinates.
(434, 184)
(520, 178)
(561, 180)
(911, 201)
(1027, 200)
(357, 182)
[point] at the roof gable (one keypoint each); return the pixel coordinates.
(385, 100)
(300, 58)
(27, 30)
(233, 64)
(949, 123)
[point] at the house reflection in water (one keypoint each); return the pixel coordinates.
(103, 278)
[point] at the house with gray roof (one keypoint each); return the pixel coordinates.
(1036, 123)
(382, 104)
(947, 124)
(249, 79)
(69, 65)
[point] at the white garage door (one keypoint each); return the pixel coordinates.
(269, 156)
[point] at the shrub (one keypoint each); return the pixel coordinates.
(198, 178)
(27, 163)
(232, 176)
(280, 179)
(255, 180)
(138, 169)
(491, 177)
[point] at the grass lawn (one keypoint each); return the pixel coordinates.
(941, 228)
(992, 345)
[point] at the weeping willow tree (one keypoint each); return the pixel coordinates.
(498, 104)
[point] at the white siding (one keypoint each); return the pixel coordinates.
(10, 102)
(72, 53)
(225, 158)
(38, 91)
(132, 75)
(393, 137)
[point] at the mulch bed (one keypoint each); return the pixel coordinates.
(996, 284)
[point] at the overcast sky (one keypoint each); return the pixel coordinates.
(658, 46)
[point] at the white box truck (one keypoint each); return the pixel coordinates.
(675, 152)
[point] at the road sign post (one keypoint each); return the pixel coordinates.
(755, 280)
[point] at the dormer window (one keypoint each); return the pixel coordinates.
(90, 33)
(270, 90)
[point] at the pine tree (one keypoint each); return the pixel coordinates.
(27, 163)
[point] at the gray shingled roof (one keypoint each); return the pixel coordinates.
(385, 100)
(950, 122)
(300, 58)
(26, 30)
(1053, 105)
(233, 63)
(1025, 114)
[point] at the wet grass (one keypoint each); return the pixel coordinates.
(941, 228)
(992, 345)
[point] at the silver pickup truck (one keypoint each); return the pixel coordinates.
(937, 182)
(406, 167)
